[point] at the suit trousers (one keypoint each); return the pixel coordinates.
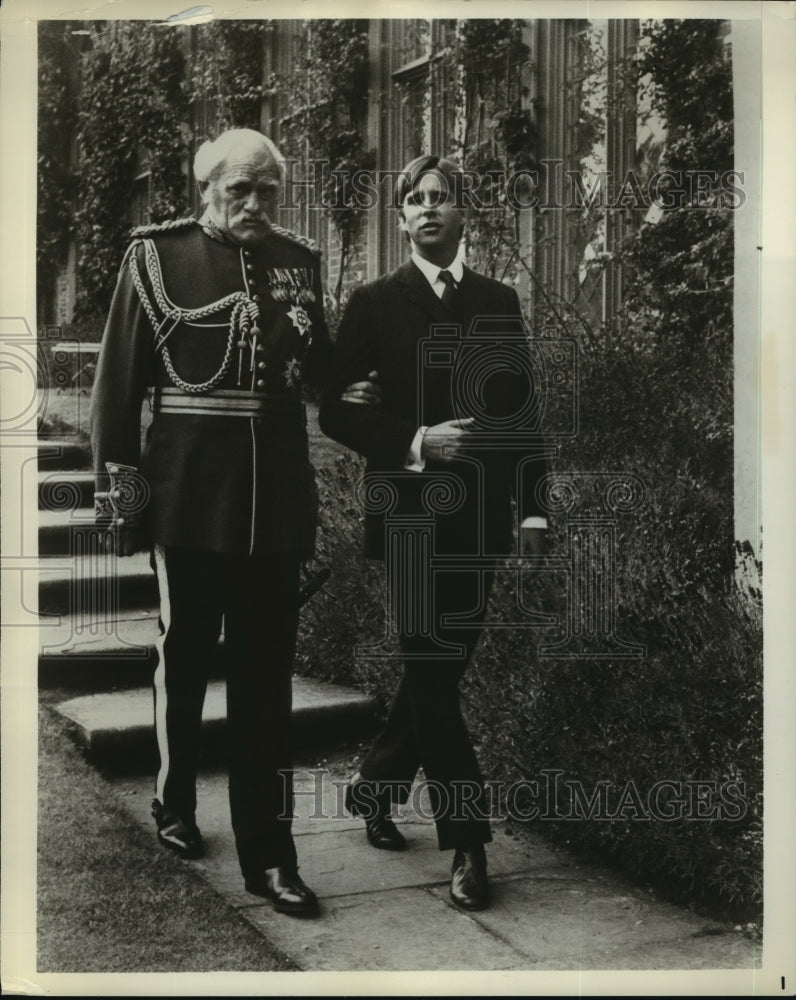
(425, 725)
(256, 599)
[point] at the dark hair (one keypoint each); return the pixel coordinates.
(412, 172)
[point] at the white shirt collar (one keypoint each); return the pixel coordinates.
(431, 271)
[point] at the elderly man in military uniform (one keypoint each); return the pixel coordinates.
(223, 317)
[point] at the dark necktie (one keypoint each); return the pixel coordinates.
(449, 295)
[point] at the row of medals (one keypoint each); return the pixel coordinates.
(291, 284)
(287, 285)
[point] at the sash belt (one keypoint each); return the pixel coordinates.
(227, 403)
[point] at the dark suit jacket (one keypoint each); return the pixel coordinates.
(469, 368)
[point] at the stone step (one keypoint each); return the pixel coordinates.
(117, 727)
(63, 454)
(81, 655)
(57, 529)
(65, 490)
(91, 655)
(96, 587)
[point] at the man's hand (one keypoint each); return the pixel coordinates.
(118, 509)
(366, 393)
(447, 441)
(534, 541)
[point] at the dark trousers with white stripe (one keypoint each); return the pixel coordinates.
(256, 599)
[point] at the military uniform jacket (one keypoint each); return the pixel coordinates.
(225, 336)
(428, 378)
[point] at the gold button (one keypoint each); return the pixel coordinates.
(260, 383)
(261, 365)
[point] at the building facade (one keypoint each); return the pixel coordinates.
(529, 103)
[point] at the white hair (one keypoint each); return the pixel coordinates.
(213, 154)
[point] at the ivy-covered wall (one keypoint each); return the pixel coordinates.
(322, 100)
(123, 106)
(132, 110)
(57, 181)
(144, 97)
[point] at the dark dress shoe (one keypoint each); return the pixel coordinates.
(284, 889)
(379, 827)
(177, 834)
(384, 834)
(469, 884)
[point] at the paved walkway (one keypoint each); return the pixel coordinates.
(391, 911)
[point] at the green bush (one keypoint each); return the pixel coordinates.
(690, 711)
(351, 609)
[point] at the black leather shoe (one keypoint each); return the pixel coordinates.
(379, 827)
(469, 884)
(384, 834)
(285, 890)
(175, 833)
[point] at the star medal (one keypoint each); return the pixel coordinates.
(300, 319)
(292, 372)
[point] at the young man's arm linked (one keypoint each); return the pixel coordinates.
(371, 430)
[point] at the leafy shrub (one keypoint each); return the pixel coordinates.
(351, 608)
(690, 711)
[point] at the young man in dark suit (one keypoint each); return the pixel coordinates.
(439, 408)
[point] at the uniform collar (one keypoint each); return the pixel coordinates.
(211, 229)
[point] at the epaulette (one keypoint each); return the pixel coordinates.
(161, 227)
(303, 241)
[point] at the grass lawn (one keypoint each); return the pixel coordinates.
(110, 899)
